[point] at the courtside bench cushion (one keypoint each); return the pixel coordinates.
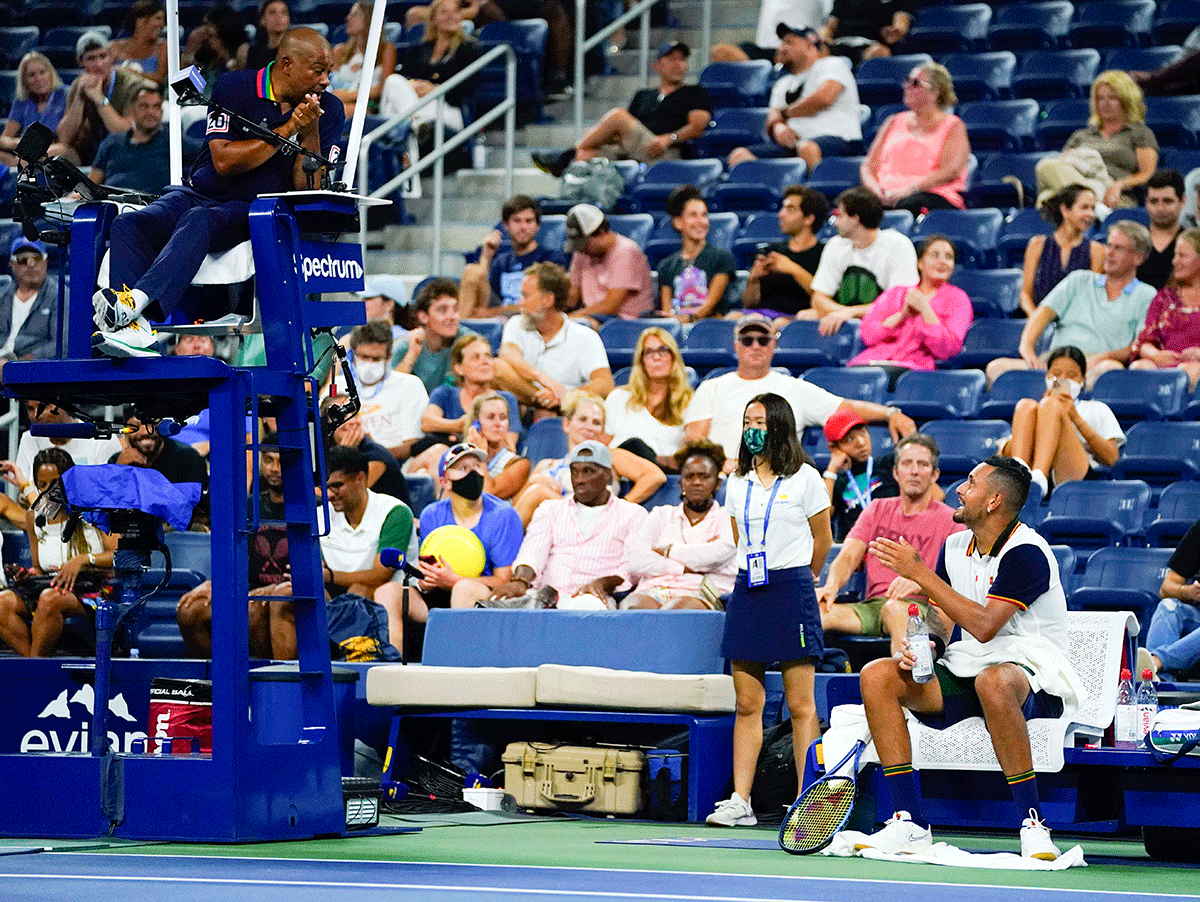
(423, 686)
(562, 686)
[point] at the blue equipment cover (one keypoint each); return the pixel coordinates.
(122, 487)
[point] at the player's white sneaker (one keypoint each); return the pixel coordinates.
(899, 836)
(1035, 839)
(137, 339)
(732, 812)
(116, 309)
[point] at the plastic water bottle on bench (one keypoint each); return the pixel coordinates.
(1147, 704)
(918, 643)
(1125, 724)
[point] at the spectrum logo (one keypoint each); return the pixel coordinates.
(329, 266)
(73, 737)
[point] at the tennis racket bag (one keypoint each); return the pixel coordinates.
(575, 778)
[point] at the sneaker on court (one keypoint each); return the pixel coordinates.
(899, 836)
(1035, 839)
(113, 309)
(138, 339)
(733, 812)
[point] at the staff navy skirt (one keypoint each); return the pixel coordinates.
(780, 621)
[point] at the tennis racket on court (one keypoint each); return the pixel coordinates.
(822, 809)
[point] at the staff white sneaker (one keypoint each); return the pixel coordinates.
(732, 812)
(1035, 839)
(899, 836)
(138, 339)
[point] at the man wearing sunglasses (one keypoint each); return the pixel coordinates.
(29, 306)
(715, 411)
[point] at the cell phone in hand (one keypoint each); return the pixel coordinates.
(762, 248)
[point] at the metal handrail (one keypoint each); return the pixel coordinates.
(639, 10)
(506, 108)
(12, 422)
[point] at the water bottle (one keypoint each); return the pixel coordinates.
(1125, 725)
(918, 643)
(1147, 704)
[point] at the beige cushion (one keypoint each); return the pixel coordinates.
(416, 685)
(633, 690)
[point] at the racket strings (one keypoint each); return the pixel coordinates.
(816, 817)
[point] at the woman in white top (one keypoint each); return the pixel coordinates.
(507, 471)
(1040, 437)
(31, 625)
(683, 556)
(779, 510)
(650, 408)
(583, 420)
(348, 59)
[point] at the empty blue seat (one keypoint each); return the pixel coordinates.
(981, 76)
(939, 394)
(802, 346)
(947, 29)
(15, 42)
(1112, 23)
(880, 80)
(986, 340)
(757, 229)
(1093, 514)
(1178, 509)
(620, 337)
(1018, 230)
(1065, 555)
(854, 587)
(1160, 453)
(993, 292)
(491, 329)
(545, 440)
(527, 37)
(1030, 26)
(1060, 119)
(1176, 20)
(421, 491)
(1175, 121)
(667, 493)
(900, 220)
(730, 128)
(833, 175)
(975, 233)
(737, 84)
(1008, 389)
(860, 383)
(1142, 59)
(1142, 394)
(709, 344)
(651, 193)
(1122, 579)
(756, 184)
(993, 183)
(965, 443)
(191, 551)
(1048, 74)
(634, 226)
(1004, 125)
(8, 90)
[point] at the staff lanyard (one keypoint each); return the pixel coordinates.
(863, 500)
(766, 516)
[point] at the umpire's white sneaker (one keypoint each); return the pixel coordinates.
(733, 812)
(1035, 839)
(899, 836)
(138, 339)
(115, 309)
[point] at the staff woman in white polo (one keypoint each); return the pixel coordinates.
(780, 512)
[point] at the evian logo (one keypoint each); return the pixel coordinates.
(56, 740)
(329, 267)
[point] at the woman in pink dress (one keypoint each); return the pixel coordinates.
(1171, 336)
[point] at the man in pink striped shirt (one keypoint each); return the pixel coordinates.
(579, 545)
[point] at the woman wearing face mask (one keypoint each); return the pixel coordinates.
(779, 510)
(1041, 437)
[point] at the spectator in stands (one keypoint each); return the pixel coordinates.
(584, 421)
(579, 544)
(918, 160)
(384, 298)
(548, 353)
(1010, 606)
(461, 474)
(853, 476)
(772, 614)
(140, 158)
(816, 97)
(100, 101)
(425, 351)
(692, 281)
(861, 261)
(144, 49)
(86, 451)
(713, 410)
(392, 400)
(1170, 337)
(658, 125)
(32, 621)
(1113, 153)
(274, 18)
(801, 14)
(609, 273)
(1164, 204)
(912, 328)
(684, 556)
(492, 287)
(1060, 437)
(384, 475)
(780, 279)
(1071, 211)
(1173, 640)
(348, 59)
(861, 31)
(648, 412)
(216, 44)
(491, 418)
(918, 517)
(40, 97)
(1100, 315)
(29, 305)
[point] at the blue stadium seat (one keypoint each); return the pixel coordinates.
(709, 344)
(855, 586)
(746, 84)
(634, 226)
(60, 57)
(1112, 23)
(1030, 26)
(1008, 389)
(191, 551)
(1175, 121)
(975, 234)
(758, 228)
(665, 241)
(1060, 119)
(15, 42)
(545, 440)
(986, 340)
(620, 337)
(801, 346)
(1065, 555)
(651, 193)
(880, 80)
(1142, 394)
(1018, 230)
(69, 35)
(859, 383)
(527, 37)
(949, 29)
(667, 493)
(1122, 579)
(421, 491)
(8, 90)
(155, 634)
(731, 128)
(1182, 161)
(1142, 59)
(1002, 125)
(981, 76)
(993, 292)
(1050, 74)
(1093, 514)
(993, 187)
(965, 443)
(1160, 453)
(939, 394)
(491, 329)
(833, 175)
(1176, 20)
(900, 220)
(756, 184)
(1178, 509)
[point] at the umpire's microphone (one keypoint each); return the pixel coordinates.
(397, 560)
